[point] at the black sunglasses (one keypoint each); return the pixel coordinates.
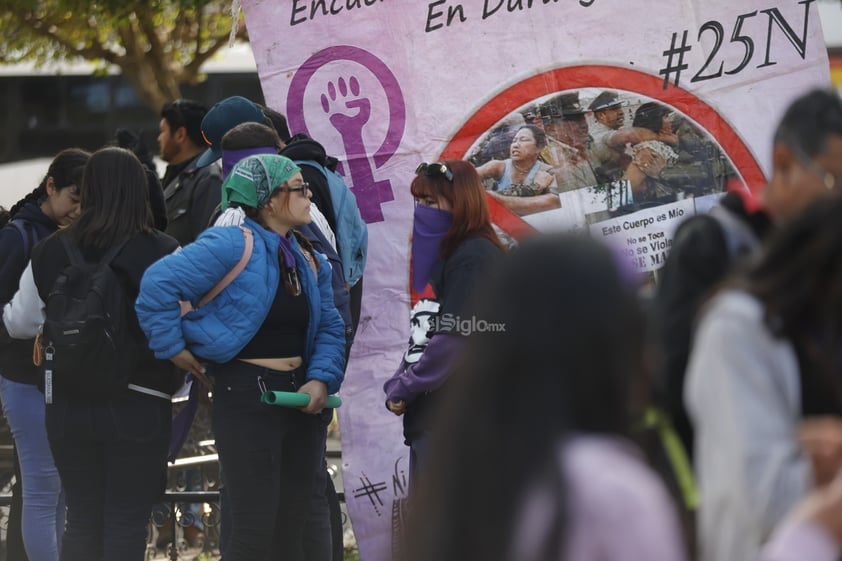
(434, 169)
(304, 188)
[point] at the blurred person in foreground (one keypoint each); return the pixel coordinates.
(536, 463)
(806, 166)
(764, 390)
(545, 405)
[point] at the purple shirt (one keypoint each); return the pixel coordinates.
(618, 509)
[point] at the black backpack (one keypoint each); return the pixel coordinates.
(88, 346)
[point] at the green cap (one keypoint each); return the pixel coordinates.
(253, 179)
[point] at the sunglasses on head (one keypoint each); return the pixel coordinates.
(434, 169)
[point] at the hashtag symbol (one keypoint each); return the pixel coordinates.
(677, 68)
(372, 491)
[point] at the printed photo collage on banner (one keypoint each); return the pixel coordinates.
(603, 160)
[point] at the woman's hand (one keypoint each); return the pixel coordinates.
(397, 407)
(186, 361)
(668, 137)
(821, 441)
(650, 162)
(317, 391)
(824, 507)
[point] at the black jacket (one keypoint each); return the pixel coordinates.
(16, 355)
(455, 282)
(156, 199)
(49, 260)
(192, 197)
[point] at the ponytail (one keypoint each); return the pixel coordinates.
(5, 215)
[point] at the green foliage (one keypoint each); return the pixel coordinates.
(158, 44)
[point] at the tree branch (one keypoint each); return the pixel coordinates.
(155, 48)
(95, 51)
(216, 43)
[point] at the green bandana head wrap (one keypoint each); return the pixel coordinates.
(253, 180)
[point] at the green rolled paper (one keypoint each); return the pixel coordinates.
(294, 399)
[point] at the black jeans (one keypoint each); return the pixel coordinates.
(111, 456)
(269, 455)
(318, 531)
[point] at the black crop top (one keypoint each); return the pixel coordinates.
(284, 331)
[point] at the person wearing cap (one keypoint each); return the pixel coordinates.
(568, 142)
(223, 117)
(191, 191)
(610, 138)
(273, 328)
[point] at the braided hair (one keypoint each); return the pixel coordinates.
(65, 169)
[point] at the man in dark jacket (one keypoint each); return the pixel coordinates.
(192, 192)
(806, 165)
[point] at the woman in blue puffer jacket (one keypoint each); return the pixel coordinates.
(273, 328)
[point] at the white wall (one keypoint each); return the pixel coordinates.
(19, 178)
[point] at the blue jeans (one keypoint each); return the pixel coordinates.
(42, 522)
(269, 456)
(112, 458)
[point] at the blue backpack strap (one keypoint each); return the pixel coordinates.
(351, 230)
(26, 232)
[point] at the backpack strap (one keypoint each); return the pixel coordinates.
(76, 257)
(72, 251)
(233, 273)
(24, 227)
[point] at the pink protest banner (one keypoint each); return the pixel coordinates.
(385, 84)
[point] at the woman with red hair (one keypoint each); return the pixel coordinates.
(453, 244)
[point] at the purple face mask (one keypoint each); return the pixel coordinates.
(429, 227)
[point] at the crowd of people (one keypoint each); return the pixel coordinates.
(267, 280)
(241, 276)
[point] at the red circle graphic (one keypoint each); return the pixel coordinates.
(599, 76)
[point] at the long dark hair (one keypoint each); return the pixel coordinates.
(650, 116)
(65, 169)
(466, 196)
(798, 279)
(114, 200)
(562, 353)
